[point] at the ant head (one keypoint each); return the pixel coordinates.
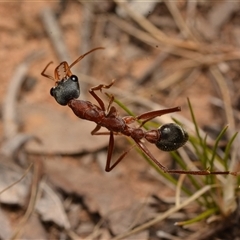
(67, 86)
(66, 89)
(172, 137)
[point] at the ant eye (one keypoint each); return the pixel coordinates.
(74, 78)
(51, 91)
(172, 137)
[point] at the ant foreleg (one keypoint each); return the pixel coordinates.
(46, 75)
(109, 109)
(63, 71)
(95, 130)
(99, 88)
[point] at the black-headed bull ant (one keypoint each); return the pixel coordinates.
(167, 137)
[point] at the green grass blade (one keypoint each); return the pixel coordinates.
(227, 151)
(200, 217)
(215, 147)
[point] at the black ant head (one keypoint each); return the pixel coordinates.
(172, 137)
(66, 90)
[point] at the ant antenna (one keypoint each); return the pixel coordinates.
(81, 57)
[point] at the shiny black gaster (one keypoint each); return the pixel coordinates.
(172, 137)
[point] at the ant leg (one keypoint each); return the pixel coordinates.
(95, 130)
(109, 108)
(148, 153)
(46, 75)
(108, 167)
(200, 172)
(100, 87)
(62, 71)
(196, 172)
(151, 115)
(98, 127)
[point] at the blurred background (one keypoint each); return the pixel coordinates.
(160, 53)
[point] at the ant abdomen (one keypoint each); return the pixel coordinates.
(172, 137)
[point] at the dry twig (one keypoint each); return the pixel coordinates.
(10, 121)
(55, 34)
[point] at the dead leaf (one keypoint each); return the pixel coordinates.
(96, 189)
(134, 215)
(5, 226)
(18, 193)
(113, 198)
(34, 229)
(50, 207)
(59, 133)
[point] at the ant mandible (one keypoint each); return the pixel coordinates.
(168, 137)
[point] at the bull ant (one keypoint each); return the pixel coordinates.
(168, 137)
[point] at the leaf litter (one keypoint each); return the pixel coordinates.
(107, 204)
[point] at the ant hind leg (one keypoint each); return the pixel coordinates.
(108, 167)
(148, 153)
(153, 114)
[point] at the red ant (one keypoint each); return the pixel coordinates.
(168, 137)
